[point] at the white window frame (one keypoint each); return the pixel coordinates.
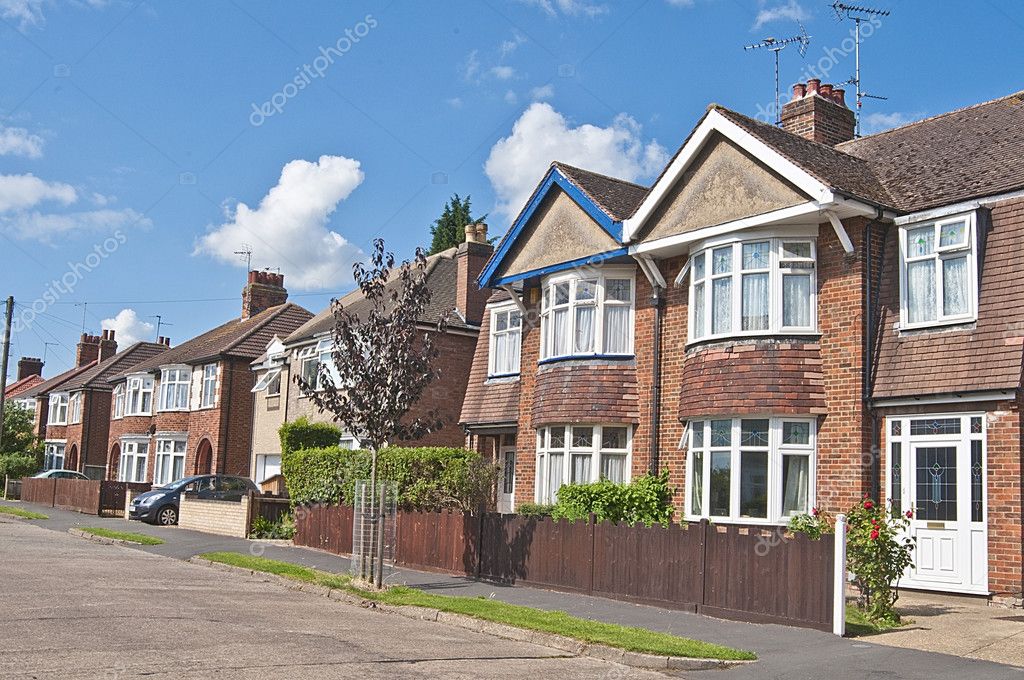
(58, 408)
(542, 494)
(208, 394)
(54, 450)
(130, 457)
(776, 450)
(169, 448)
(75, 408)
(175, 384)
(599, 302)
(940, 255)
(266, 381)
(778, 267)
(119, 401)
(515, 335)
(142, 385)
(350, 442)
(321, 354)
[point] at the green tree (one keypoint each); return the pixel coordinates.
(449, 230)
(18, 431)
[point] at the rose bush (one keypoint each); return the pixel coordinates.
(878, 552)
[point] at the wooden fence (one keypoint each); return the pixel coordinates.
(92, 497)
(748, 573)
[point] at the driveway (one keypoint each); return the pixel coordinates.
(73, 608)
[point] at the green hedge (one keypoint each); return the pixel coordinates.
(645, 500)
(427, 478)
(302, 434)
(16, 466)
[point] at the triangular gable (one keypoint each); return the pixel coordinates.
(723, 183)
(559, 228)
(712, 123)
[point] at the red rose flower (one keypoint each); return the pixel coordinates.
(910, 514)
(868, 505)
(814, 511)
(874, 534)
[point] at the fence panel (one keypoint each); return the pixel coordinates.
(38, 490)
(82, 495)
(656, 565)
(113, 495)
(552, 553)
(270, 509)
(442, 541)
(327, 527)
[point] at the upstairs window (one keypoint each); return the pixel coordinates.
(75, 408)
(139, 396)
(506, 340)
(312, 358)
(58, 409)
(938, 279)
(761, 286)
(209, 385)
(174, 383)
(269, 382)
(119, 400)
(587, 313)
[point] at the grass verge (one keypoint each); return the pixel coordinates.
(858, 624)
(129, 536)
(559, 623)
(24, 514)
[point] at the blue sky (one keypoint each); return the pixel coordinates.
(142, 143)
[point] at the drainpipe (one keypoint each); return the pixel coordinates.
(226, 422)
(867, 378)
(658, 301)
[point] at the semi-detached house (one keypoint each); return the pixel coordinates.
(188, 410)
(788, 318)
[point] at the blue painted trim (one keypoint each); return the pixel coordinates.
(553, 178)
(561, 266)
(578, 357)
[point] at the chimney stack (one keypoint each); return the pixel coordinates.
(88, 349)
(263, 291)
(471, 258)
(818, 112)
(29, 366)
(108, 345)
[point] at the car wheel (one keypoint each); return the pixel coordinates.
(167, 515)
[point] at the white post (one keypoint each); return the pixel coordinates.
(839, 578)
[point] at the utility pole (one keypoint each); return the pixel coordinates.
(8, 314)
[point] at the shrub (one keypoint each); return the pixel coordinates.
(815, 525)
(302, 434)
(427, 478)
(264, 528)
(878, 552)
(645, 500)
(17, 465)
(535, 510)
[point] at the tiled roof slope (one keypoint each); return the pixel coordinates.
(57, 381)
(617, 197)
(99, 374)
(969, 153)
(241, 338)
(442, 279)
(489, 402)
(987, 356)
(24, 385)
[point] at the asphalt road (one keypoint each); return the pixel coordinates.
(73, 608)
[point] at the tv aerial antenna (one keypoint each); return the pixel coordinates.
(776, 45)
(858, 14)
(246, 253)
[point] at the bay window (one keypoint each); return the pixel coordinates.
(75, 408)
(119, 400)
(587, 313)
(751, 469)
(937, 272)
(139, 396)
(751, 287)
(580, 454)
(170, 461)
(58, 414)
(209, 393)
(134, 455)
(313, 357)
(505, 341)
(174, 384)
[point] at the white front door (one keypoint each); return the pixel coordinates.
(941, 475)
(507, 476)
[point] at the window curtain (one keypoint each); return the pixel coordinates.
(555, 476)
(616, 329)
(585, 328)
(697, 484)
(613, 468)
(755, 302)
(795, 479)
(580, 469)
(921, 291)
(501, 354)
(796, 301)
(513, 343)
(721, 305)
(954, 286)
(698, 310)
(560, 332)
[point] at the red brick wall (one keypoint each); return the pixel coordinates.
(446, 392)
(495, 402)
(526, 436)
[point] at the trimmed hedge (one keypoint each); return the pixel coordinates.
(16, 466)
(302, 434)
(427, 478)
(645, 500)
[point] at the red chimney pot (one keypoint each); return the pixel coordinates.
(812, 85)
(799, 90)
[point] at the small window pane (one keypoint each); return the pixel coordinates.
(515, 319)
(560, 332)
(896, 476)
(977, 482)
(921, 241)
(501, 321)
(720, 476)
(721, 260)
(796, 300)
(935, 426)
(754, 432)
(558, 438)
(618, 290)
(796, 433)
(976, 425)
(954, 234)
(698, 311)
(586, 289)
(613, 467)
(697, 484)
(721, 432)
(580, 469)
(613, 438)
(755, 255)
(954, 287)
(698, 266)
(897, 428)
(616, 329)
(556, 475)
(585, 328)
(796, 250)
(921, 291)
(697, 434)
(562, 293)
(755, 302)
(754, 484)
(795, 484)
(721, 305)
(936, 483)
(582, 437)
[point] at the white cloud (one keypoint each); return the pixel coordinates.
(454, 102)
(511, 98)
(20, 142)
(680, 3)
(791, 10)
(25, 12)
(45, 226)
(129, 328)
(542, 92)
(877, 122)
(289, 227)
(471, 66)
(503, 72)
(542, 135)
(568, 7)
(25, 191)
(510, 46)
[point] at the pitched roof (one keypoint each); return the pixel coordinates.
(245, 338)
(954, 157)
(19, 386)
(100, 373)
(57, 382)
(441, 273)
(617, 197)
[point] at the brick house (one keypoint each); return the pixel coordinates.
(188, 410)
(788, 318)
(451, 276)
(30, 374)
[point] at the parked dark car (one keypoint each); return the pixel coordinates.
(160, 506)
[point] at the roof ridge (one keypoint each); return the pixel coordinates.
(1018, 95)
(278, 310)
(793, 134)
(560, 164)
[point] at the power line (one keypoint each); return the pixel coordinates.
(185, 301)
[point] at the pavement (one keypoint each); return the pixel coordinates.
(784, 652)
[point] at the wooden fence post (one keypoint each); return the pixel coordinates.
(481, 509)
(839, 578)
(704, 526)
(592, 522)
